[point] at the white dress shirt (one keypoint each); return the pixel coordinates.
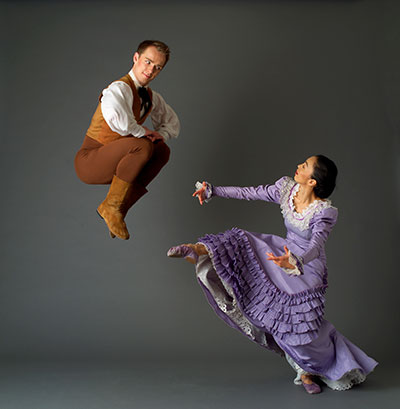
(116, 107)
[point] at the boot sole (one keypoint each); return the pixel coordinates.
(112, 235)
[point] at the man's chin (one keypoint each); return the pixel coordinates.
(144, 81)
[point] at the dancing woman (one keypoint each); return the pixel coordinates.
(272, 289)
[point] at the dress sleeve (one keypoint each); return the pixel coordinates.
(321, 225)
(268, 193)
(116, 107)
(164, 119)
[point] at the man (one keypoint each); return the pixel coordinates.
(117, 148)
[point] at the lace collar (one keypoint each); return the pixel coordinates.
(299, 220)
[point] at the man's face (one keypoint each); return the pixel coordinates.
(148, 65)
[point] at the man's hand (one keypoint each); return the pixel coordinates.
(153, 135)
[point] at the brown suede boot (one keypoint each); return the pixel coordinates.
(136, 192)
(111, 209)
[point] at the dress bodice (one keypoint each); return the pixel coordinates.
(299, 223)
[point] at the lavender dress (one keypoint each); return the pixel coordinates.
(274, 307)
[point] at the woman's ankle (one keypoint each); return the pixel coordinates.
(307, 378)
(200, 249)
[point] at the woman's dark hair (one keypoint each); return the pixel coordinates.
(325, 172)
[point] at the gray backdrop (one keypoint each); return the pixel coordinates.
(258, 86)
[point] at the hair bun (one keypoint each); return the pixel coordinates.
(325, 173)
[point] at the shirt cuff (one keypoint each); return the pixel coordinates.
(139, 132)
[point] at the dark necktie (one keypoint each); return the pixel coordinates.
(145, 99)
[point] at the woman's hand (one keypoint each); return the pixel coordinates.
(281, 261)
(201, 193)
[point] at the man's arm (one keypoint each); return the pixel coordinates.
(116, 107)
(164, 118)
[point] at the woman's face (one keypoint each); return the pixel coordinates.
(305, 170)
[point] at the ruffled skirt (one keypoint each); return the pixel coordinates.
(279, 312)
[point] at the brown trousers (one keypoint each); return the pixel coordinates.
(134, 160)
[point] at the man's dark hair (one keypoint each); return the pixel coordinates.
(160, 46)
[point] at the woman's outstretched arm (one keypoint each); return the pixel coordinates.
(268, 193)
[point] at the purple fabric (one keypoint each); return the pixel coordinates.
(268, 193)
(288, 308)
(269, 343)
(331, 354)
(320, 225)
(294, 315)
(312, 388)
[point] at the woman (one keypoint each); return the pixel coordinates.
(272, 289)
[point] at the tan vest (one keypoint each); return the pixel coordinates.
(99, 129)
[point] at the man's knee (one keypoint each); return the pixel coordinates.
(143, 147)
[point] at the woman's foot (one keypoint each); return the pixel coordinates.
(309, 385)
(184, 250)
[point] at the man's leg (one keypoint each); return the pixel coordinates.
(150, 170)
(118, 163)
(158, 160)
(97, 164)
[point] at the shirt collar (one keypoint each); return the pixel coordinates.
(137, 84)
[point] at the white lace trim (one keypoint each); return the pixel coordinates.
(208, 191)
(299, 220)
(292, 271)
(347, 381)
(225, 299)
(231, 309)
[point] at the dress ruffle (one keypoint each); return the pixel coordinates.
(293, 318)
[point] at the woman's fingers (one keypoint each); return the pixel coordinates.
(199, 194)
(200, 191)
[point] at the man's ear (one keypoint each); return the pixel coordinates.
(135, 57)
